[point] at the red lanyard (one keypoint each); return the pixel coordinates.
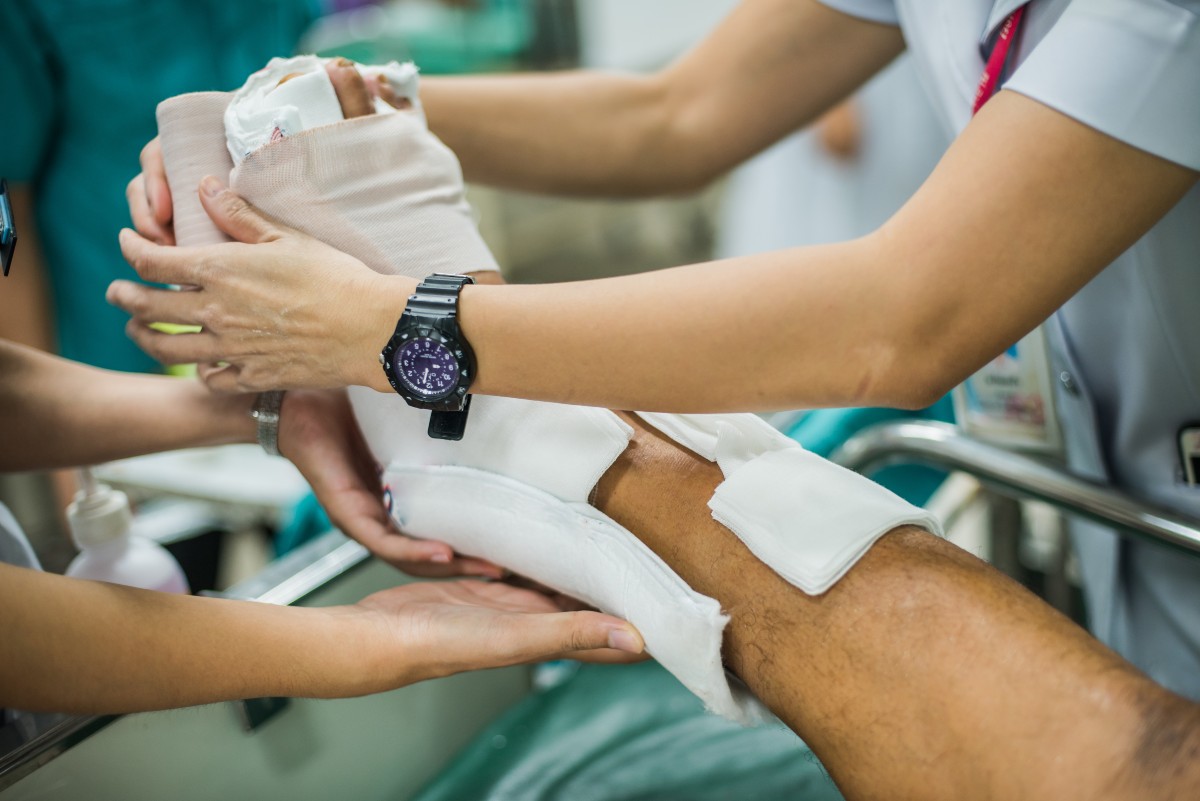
(990, 80)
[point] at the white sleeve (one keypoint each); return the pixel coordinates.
(1128, 68)
(874, 10)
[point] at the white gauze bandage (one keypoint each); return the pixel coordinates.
(265, 111)
(807, 518)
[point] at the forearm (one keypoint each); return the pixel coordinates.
(894, 319)
(747, 334)
(88, 647)
(575, 133)
(768, 69)
(25, 314)
(56, 413)
(923, 673)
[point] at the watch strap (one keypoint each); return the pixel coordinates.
(449, 425)
(437, 295)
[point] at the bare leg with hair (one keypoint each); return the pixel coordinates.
(924, 673)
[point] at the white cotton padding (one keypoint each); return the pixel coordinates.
(264, 110)
(559, 449)
(191, 133)
(577, 550)
(805, 517)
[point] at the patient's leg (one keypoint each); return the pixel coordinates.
(924, 673)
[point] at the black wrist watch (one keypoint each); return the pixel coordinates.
(428, 360)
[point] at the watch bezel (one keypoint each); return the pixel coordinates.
(454, 398)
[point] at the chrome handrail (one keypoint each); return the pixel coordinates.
(945, 446)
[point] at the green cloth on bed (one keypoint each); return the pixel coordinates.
(628, 733)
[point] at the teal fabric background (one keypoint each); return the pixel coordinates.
(79, 82)
(628, 733)
(824, 430)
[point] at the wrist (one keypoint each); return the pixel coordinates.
(472, 311)
(364, 658)
(227, 417)
(385, 301)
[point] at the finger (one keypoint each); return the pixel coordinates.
(350, 88)
(470, 566)
(425, 558)
(225, 379)
(236, 217)
(210, 372)
(173, 348)
(158, 191)
(143, 216)
(456, 568)
(568, 603)
(536, 637)
(162, 264)
(150, 305)
(379, 86)
(390, 545)
(607, 656)
(459, 566)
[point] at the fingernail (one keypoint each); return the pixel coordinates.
(210, 186)
(441, 558)
(342, 61)
(623, 639)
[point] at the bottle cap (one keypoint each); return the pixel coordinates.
(99, 514)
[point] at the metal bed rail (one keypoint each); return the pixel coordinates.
(1016, 475)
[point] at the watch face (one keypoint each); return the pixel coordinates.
(426, 367)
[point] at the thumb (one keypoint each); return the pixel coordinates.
(236, 217)
(538, 637)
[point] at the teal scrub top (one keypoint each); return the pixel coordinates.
(79, 82)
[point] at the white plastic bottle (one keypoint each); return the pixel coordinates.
(100, 520)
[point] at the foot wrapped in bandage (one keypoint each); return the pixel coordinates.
(515, 489)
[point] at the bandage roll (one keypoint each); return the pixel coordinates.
(191, 131)
(381, 187)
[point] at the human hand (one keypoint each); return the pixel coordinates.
(281, 309)
(318, 433)
(432, 629)
(149, 197)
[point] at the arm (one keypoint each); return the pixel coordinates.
(57, 413)
(923, 673)
(1024, 209)
(24, 297)
(88, 647)
(773, 66)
